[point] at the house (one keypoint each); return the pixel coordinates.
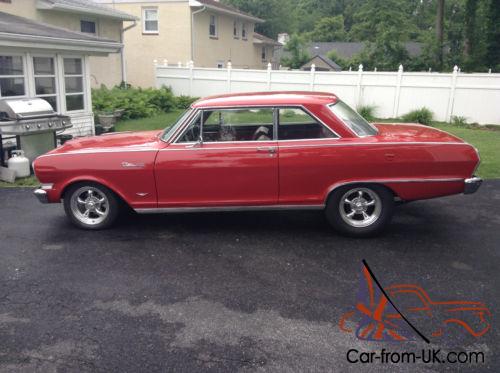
(345, 50)
(321, 63)
(58, 50)
(207, 32)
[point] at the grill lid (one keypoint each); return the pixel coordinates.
(25, 108)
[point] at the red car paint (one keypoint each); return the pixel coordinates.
(414, 161)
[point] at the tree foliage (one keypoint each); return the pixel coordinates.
(470, 37)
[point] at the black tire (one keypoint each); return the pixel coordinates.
(111, 206)
(382, 197)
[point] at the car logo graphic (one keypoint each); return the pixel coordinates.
(391, 314)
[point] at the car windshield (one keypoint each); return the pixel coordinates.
(170, 130)
(352, 119)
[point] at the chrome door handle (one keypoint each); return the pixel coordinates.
(268, 149)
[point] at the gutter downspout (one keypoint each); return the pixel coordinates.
(192, 29)
(122, 52)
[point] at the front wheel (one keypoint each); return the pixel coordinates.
(360, 210)
(90, 205)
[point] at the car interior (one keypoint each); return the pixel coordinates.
(254, 125)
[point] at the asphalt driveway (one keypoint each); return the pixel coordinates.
(227, 292)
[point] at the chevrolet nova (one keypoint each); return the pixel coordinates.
(275, 150)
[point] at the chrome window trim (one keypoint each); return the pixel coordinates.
(197, 110)
(346, 125)
(188, 119)
(314, 117)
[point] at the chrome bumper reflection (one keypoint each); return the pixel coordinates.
(41, 195)
(472, 184)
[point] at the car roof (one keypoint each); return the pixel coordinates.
(267, 98)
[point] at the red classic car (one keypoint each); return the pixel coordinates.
(273, 150)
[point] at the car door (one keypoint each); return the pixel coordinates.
(224, 157)
(308, 165)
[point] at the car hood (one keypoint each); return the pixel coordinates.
(118, 140)
(402, 132)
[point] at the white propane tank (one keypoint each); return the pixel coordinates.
(19, 163)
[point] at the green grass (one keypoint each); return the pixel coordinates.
(24, 182)
(488, 143)
(158, 122)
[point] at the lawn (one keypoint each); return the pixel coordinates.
(145, 124)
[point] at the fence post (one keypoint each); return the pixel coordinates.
(358, 93)
(269, 69)
(229, 73)
(190, 66)
(395, 107)
(313, 77)
(451, 101)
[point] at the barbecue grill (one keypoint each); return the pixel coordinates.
(33, 123)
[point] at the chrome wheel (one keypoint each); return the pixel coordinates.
(89, 205)
(360, 207)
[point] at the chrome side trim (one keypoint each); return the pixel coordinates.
(304, 145)
(161, 210)
(79, 152)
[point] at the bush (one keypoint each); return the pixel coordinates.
(184, 102)
(459, 121)
(422, 116)
(367, 112)
(135, 102)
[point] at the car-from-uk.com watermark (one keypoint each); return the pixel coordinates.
(403, 313)
(426, 356)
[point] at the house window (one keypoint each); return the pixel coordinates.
(263, 54)
(45, 79)
(73, 84)
(88, 27)
(236, 33)
(212, 30)
(150, 20)
(244, 31)
(12, 81)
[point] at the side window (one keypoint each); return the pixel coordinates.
(252, 124)
(296, 124)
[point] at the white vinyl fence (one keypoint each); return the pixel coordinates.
(473, 96)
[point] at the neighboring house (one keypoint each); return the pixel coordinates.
(345, 50)
(321, 63)
(206, 32)
(58, 49)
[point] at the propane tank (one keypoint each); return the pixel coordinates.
(19, 163)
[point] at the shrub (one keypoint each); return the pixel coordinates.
(135, 102)
(459, 121)
(422, 116)
(184, 102)
(367, 112)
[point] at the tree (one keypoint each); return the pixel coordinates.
(440, 31)
(298, 53)
(329, 29)
(385, 26)
(493, 36)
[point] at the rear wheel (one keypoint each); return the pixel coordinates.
(360, 210)
(91, 206)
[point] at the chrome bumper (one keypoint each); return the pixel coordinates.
(472, 184)
(41, 195)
